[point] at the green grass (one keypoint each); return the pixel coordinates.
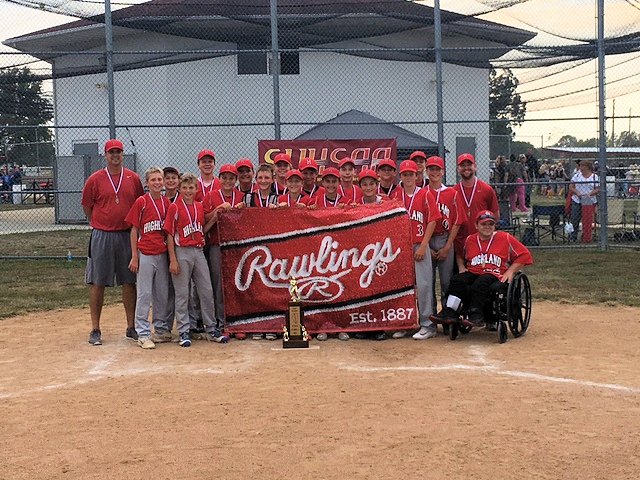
(45, 244)
(586, 276)
(5, 207)
(566, 276)
(37, 285)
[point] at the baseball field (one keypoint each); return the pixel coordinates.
(561, 402)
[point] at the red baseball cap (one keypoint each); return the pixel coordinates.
(228, 168)
(387, 162)
(435, 162)
(367, 173)
(113, 144)
(306, 163)
(466, 157)
(330, 171)
(173, 170)
(346, 160)
(293, 173)
(206, 153)
(417, 154)
(244, 162)
(408, 166)
(282, 157)
(485, 215)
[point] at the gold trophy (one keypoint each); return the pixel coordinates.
(294, 334)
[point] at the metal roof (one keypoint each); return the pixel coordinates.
(355, 124)
(388, 29)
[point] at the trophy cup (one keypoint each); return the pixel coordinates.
(294, 335)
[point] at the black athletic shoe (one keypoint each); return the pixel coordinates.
(475, 317)
(95, 337)
(131, 334)
(380, 336)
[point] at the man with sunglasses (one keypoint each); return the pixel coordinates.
(488, 257)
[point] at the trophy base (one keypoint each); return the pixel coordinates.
(294, 333)
(295, 344)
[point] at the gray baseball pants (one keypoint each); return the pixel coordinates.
(424, 288)
(193, 266)
(445, 269)
(152, 288)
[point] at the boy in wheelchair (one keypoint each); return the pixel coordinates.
(490, 258)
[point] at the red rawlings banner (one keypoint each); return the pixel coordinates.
(328, 153)
(354, 268)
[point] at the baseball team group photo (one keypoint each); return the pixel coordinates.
(357, 239)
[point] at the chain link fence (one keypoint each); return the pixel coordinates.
(170, 78)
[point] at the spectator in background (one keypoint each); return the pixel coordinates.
(16, 176)
(531, 163)
(583, 190)
(7, 181)
(561, 178)
(543, 176)
(516, 173)
(500, 176)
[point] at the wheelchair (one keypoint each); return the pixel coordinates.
(509, 307)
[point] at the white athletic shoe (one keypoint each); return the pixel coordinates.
(425, 333)
(146, 343)
(399, 334)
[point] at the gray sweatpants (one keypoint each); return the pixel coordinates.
(193, 265)
(215, 267)
(445, 269)
(153, 288)
(424, 288)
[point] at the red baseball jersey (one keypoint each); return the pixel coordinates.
(495, 255)
(478, 197)
(452, 210)
(303, 199)
(185, 223)
(110, 208)
(204, 189)
(387, 191)
(212, 201)
(314, 192)
(421, 208)
(321, 201)
(253, 188)
(350, 195)
(148, 215)
(279, 189)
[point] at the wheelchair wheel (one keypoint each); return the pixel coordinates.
(453, 331)
(519, 304)
(502, 332)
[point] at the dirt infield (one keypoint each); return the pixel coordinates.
(563, 402)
